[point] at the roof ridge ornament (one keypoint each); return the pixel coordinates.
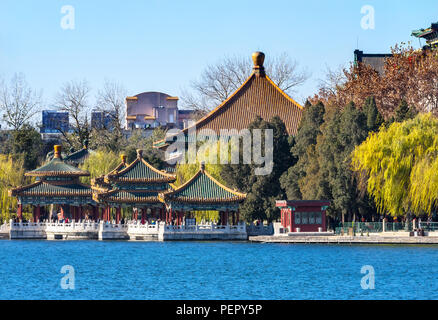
(57, 151)
(202, 166)
(258, 59)
(139, 153)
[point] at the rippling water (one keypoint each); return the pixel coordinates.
(214, 270)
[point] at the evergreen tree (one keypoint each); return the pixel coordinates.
(404, 112)
(308, 131)
(374, 118)
(26, 142)
(262, 190)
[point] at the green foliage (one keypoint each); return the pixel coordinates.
(323, 146)
(373, 116)
(308, 131)
(404, 112)
(262, 190)
(26, 142)
(150, 154)
(99, 163)
(11, 176)
(400, 163)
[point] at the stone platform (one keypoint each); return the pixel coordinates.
(372, 239)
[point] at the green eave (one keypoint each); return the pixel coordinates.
(78, 156)
(57, 167)
(44, 189)
(203, 188)
(124, 196)
(140, 171)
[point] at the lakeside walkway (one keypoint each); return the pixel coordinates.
(372, 239)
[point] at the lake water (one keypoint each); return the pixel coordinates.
(214, 270)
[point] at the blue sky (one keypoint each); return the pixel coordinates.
(160, 45)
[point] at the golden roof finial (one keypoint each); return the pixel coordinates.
(123, 157)
(57, 151)
(258, 58)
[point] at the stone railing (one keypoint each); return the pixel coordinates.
(5, 228)
(31, 226)
(136, 228)
(210, 227)
(80, 226)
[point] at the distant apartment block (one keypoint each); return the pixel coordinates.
(102, 119)
(53, 123)
(150, 110)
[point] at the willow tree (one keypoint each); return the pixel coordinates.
(11, 175)
(400, 163)
(99, 163)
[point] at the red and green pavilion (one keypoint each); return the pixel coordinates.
(56, 183)
(306, 215)
(136, 186)
(202, 193)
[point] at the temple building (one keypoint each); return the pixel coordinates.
(57, 183)
(136, 186)
(303, 215)
(201, 193)
(429, 34)
(257, 96)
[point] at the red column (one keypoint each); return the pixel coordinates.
(36, 213)
(324, 228)
(79, 213)
(143, 216)
(237, 216)
(118, 213)
(291, 220)
(226, 217)
(20, 211)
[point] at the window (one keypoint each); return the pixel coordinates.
(171, 120)
(312, 216)
(304, 218)
(318, 217)
(297, 218)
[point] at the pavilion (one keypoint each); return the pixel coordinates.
(201, 193)
(56, 183)
(136, 185)
(257, 96)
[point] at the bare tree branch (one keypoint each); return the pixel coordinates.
(73, 98)
(18, 102)
(220, 80)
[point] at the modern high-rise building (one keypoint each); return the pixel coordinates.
(102, 119)
(54, 121)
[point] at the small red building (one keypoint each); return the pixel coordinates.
(303, 215)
